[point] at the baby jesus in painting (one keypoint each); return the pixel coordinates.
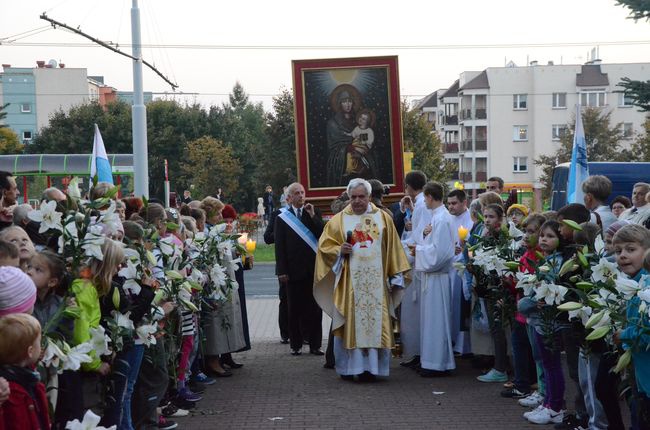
(363, 137)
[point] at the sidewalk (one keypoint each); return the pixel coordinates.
(275, 390)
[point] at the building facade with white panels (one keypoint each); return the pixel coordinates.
(506, 117)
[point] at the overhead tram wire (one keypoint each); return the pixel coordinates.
(352, 47)
(107, 46)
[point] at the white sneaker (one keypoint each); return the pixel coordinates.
(532, 401)
(546, 416)
(534, 411)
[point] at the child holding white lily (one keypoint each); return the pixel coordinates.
(631, 244)
(522, 334)
(547, 339)
(95, 282)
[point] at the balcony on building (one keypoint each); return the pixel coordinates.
(450, 119)
(466, 177)
(481, 176)
(450, 148)
(466, 145)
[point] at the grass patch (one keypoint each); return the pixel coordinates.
(264, 253)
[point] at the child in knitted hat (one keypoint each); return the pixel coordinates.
(17, 291)
(517, 213)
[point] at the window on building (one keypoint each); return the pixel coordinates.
(431, 117)
(25, 107)
(625, 100)
(520, 164)
(27, 135)
(559, 131)
(593, 98)
(628, 130)
(559, 100)
(520, 133)
(520, 101)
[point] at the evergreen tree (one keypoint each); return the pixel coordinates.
(278, 165)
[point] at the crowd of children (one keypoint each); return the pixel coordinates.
(578, 287)
(122, 317)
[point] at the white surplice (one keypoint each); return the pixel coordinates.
(461, 339)
(410, 308)
(433, 258)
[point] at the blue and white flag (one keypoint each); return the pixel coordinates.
(100, 165)
(579, 170)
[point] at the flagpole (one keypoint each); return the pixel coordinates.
(138, 111)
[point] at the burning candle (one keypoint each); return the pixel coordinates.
(462, 233)
(251, 245)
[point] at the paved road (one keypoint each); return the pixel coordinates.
(261, 281)
(275, 390)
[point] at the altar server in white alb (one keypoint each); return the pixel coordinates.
(418, 214)
(433, 259)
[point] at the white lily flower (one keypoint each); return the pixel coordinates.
(70, 233)
(550, 293)
(199, 236)
(599, 245)
(218, 275)
(130, 271)
(123, 320)
(110, 219)
(146, 333)
(132, 254)
(52, 355)
(90, 421)
(603, 271)
(132, 287)
(92, 244)
(217, 229)
(644, 295)
(225, 247)
(99, 341)
(626, 287)
(526, 282)
(583, 313)
(77, 355)
(47, 216)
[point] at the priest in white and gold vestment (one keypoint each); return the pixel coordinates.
(358, 282)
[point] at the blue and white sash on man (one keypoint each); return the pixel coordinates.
(301, 229)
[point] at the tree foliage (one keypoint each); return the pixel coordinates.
(639, 91)
(9, 142)
(641, 146)
(207, 161)
(425, 145)
(279, 159)
(602, 139)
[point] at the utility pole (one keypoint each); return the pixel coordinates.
(139, 111)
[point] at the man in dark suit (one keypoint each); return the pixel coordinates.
(297, 230)
(283, 309)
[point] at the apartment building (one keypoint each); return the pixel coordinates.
(34, 94)
(496, 122)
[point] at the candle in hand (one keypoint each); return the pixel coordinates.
(462, 233)
(251, 245)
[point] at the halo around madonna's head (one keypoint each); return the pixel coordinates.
(342, 92)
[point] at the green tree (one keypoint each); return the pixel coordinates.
(278, 163)
(208, 161)
(425, 145)
(641, 146)
(73, 132)
(9, 142)
(241, 125)
(639, 91)
(602, 139)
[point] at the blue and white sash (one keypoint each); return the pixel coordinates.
(301, 229)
